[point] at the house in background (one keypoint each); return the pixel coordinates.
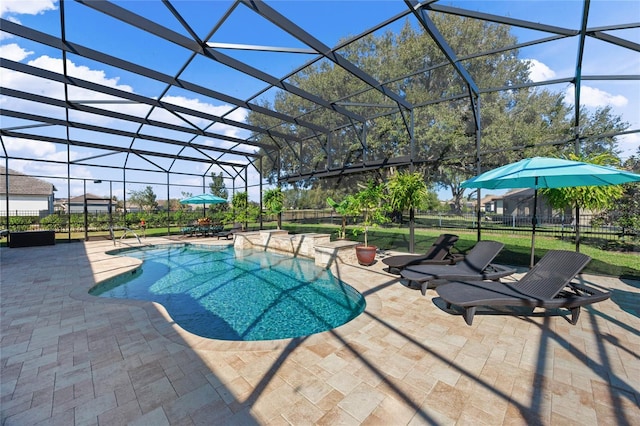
(27, 195)
(492, 204)
(95, 204)
(519, 203)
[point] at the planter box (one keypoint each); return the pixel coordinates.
(341, 251)
(32, 238)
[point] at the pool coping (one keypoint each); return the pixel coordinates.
(106, 267)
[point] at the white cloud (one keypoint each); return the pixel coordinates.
(38, 150)
(5, 35)
(13, 52)
(592, 97)
(51, 89)
(26, 7)
(239, 114)
(539, 71)
(55, 90)
(628, 145)
(32, 84)
(29, 148)
(80, 71)
(589, 96)
(197, 105)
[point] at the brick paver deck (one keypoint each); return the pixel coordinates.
(73, 359)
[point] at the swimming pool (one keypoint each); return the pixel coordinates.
(221, 293)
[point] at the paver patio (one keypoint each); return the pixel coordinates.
(71, 358)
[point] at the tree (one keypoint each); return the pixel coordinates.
(441, 130)
(633, 163)
(368, 202)
(596, 126)
(522, 121)
(343, 208)
(185, 195)
(274, 203)
(590, 197)
(431, 203)
(145, 199)
(407, 191)
(174, 205)
(451, 176)
(217, 186)
(595, 198)
(626, 212)
(219, 189)
(242, 211)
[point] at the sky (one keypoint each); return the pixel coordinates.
(549, 61)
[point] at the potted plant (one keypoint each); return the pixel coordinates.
(273, 200)
(368, 203)
(343, 208)
(407, 191)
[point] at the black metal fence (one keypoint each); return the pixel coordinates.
(61, 222)
(589, 225)
(563, 226)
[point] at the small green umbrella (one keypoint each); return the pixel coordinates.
(203, 199)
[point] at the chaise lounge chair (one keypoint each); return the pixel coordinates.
(476, 265)
(190, 229)
(547, 285)
(438, 254)
(229, 234)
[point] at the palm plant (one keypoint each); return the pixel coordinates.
(368, 202)
(588, 197)
(242, 211)
(407, 191)
(343, 208)
(273, 200)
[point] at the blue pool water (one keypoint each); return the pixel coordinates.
(220, 293)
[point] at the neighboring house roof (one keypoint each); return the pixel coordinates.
(21, 184)
(524, 192)
(489, 198)
(91, 199)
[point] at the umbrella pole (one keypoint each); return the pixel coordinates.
(478, 216)
(533, 226)
(577, 228)
(412, 238)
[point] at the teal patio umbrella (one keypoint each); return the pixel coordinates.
(203, 199)
(544, 172)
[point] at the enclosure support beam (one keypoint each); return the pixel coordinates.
(475, 107)
(260, 180)
(578, 84)
(246, 191)
(412, 154)
(168, 203)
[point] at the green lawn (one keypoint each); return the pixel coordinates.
(517, 250)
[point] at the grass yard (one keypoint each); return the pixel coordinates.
(517, 250)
